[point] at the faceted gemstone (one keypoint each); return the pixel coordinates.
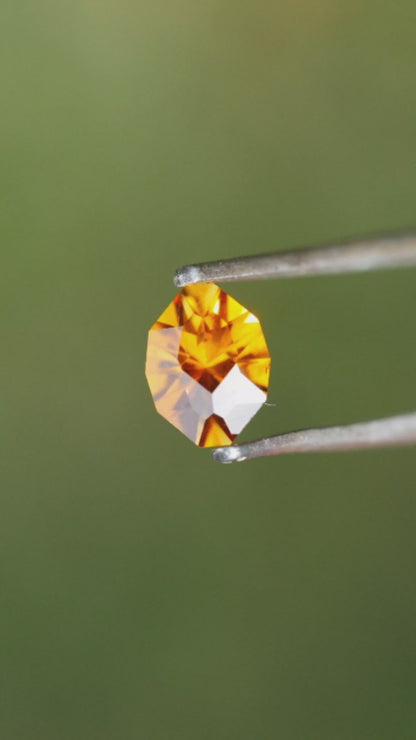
(207, 365)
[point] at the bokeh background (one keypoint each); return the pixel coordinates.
(146, 592)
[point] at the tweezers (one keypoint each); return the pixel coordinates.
(363, 255)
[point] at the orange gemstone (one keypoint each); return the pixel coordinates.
(207, 365)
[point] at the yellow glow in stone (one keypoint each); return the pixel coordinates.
(207, 365)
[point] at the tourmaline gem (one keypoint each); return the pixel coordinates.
(207, 365)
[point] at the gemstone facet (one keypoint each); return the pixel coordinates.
(207, 365)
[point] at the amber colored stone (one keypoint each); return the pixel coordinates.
(207, 365)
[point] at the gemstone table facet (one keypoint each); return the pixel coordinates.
(207, 365)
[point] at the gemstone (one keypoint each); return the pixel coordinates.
(207, 365)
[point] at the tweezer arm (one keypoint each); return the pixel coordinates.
(363, 255)
(376, 253)
(391, 432)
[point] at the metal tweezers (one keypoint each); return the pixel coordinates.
(364, 255)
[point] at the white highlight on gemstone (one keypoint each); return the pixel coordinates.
(251, 319)
(237, 399)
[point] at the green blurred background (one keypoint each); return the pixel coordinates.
(147, 592)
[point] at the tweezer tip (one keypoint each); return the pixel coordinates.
(228, 454)
(187, 275)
